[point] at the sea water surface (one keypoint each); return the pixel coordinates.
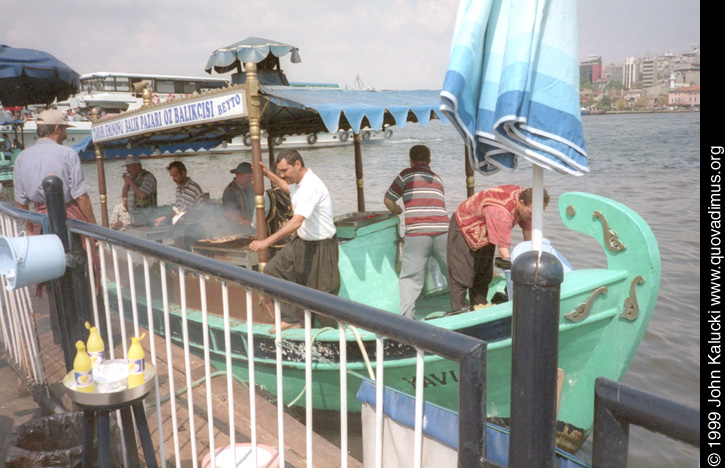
(649, 162)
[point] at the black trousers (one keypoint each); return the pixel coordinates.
(310, 263)
(469, 271)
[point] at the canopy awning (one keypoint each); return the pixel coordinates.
(251, 49)
(352, 109)
(206, 120)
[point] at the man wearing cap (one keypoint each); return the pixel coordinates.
(238, 196)
(139, 187)
(49, 156)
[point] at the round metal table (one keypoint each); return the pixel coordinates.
(97, 408)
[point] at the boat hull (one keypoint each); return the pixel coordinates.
(602, 319)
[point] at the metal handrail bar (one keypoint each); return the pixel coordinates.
(617, 406)
(446, 343)
(25, 215)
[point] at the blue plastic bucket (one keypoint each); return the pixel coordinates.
(27, 260)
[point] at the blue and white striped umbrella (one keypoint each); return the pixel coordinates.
(512, 85)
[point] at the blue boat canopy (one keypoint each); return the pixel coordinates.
(251, 49)
(352, 109)
(206, 120)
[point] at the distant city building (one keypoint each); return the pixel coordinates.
(630, 72)
(616, 72)
(648, 71)
(591, 68)
(685, 97)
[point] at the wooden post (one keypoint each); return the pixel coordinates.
(255, 132)
(95, 116)
(359, 173)
(470, 180)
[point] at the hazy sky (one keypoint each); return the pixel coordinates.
(391, 44)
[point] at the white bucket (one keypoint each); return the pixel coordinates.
(28, 260)
(267, 457)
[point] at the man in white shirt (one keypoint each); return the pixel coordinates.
(311, 257)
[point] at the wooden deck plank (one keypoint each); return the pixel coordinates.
(325, 454)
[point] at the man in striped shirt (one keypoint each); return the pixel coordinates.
(189, 195)
(426, 224)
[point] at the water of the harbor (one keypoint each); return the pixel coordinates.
(649, 162)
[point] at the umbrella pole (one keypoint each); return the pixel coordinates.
(537, 208)
(253, 111)
(470, 179)
(356, 139)
(95, 115)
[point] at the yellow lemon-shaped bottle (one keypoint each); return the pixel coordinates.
(82, 369)
(95, 347)
(136, 367)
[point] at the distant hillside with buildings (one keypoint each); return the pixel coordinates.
(655, 82)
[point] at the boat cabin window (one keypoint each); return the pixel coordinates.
(122, 84)
(165, 86)
(107, 84)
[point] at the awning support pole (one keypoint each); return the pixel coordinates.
(470, 179)
(356, 139)
(270, 153)
(95, 116)
(255, 132)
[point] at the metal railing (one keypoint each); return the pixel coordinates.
(156, 260)
(617, 406)
(18, 327)
(146, 287)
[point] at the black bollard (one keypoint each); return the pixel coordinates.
(64, 304)
(534, 348)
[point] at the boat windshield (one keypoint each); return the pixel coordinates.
(155, 85)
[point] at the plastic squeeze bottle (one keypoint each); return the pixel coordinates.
(95, 347)
(136, 367)
(82, 370)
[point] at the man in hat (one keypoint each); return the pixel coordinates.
(238, 196)
(49, 156)
(139, 188)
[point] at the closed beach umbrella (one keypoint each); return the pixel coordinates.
(512, 88)
(33, 77)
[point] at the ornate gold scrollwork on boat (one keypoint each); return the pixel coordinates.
(611, 239)
(631, 307)
(582, 311)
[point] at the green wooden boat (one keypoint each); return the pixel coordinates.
(603, 317)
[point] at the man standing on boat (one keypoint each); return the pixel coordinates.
(482, 222)
(49, 156)
(311, 257)
(426, 224)
(139, 188)
(238, 196)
